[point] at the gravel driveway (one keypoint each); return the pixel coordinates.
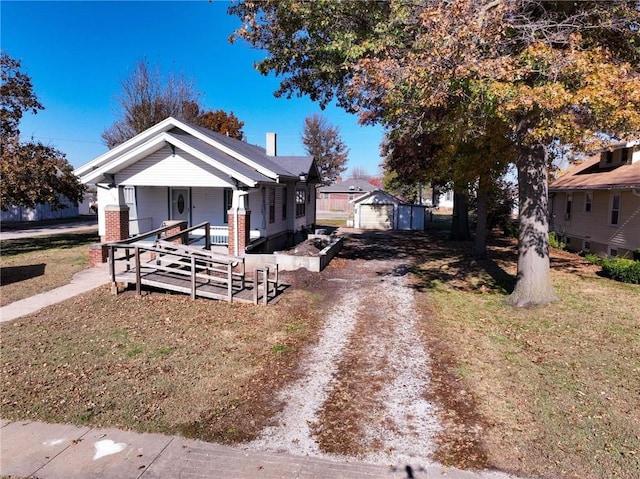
(363, 385)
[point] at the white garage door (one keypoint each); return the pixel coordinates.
(376, 217)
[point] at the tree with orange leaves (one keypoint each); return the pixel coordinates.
(554, 72)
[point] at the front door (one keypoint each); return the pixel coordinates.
(180, 206)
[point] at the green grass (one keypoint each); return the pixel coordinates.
(34, 265)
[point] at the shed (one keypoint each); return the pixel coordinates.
(381, 210)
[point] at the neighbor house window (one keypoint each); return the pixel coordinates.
(615, 209)
(301, 202)
(625, 156)
(227, 202)
(567, 211)
(587, 246)
(609, 158)
(272, 205)
(588, 200)
(284, 203)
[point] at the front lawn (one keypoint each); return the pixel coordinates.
(33, 265)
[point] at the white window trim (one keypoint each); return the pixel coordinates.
(610, 212)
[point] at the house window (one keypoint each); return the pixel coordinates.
(625, 156)
(226, 204)
(567, 211)
(272, 205)
(615, 209)
(609, 157)
(613, 253)
(350, 196)
(326, 196)
(588, 200)
(301, 199)
(284, 203)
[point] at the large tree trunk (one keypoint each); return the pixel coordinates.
(533, 283)
(460, 217)
(481, 216)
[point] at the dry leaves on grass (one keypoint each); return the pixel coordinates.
(157, 363)
(556, 389)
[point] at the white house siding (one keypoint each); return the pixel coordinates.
(594, 227)
(207, 204)
(152, 206)
(160, 167)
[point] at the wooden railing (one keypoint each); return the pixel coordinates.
(154, 252)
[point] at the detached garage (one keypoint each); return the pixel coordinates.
(381, 211)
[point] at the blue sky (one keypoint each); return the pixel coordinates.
(77, 54)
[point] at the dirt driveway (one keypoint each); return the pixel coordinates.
(363, 386)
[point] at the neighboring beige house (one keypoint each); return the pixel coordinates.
(595, 207)
(181, 172)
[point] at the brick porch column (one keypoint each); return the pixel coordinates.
(244, 230)
(116, 220)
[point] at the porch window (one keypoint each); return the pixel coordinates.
(588, 200)
(272, 205)
(567, 211)
(226, 204)
(284, 203)
(615, 209)
(301, 202)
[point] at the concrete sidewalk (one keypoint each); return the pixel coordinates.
(27, 230)
(57, 451)
(82, 281)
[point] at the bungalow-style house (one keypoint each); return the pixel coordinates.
(595, 207)
(176, 171)
(338, 196)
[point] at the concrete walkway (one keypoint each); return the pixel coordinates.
(57, 451)
(82, 281)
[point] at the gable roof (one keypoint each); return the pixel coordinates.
(249, 164)
(588, 175)
(348, 186)
(379, 197)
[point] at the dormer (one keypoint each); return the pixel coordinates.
(622, 154)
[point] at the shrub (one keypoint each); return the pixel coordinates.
(620, 269)
(593, 258)
(555, 242)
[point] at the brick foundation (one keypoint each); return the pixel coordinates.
(178, 226)
(98, 254)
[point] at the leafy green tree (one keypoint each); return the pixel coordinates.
(31, 173)
(552, 72)
(322, 141)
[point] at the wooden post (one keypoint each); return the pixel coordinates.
(138, 275)
(193, 277)
(230, 282)
(207, 239)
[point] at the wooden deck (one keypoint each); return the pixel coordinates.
(194, 270)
